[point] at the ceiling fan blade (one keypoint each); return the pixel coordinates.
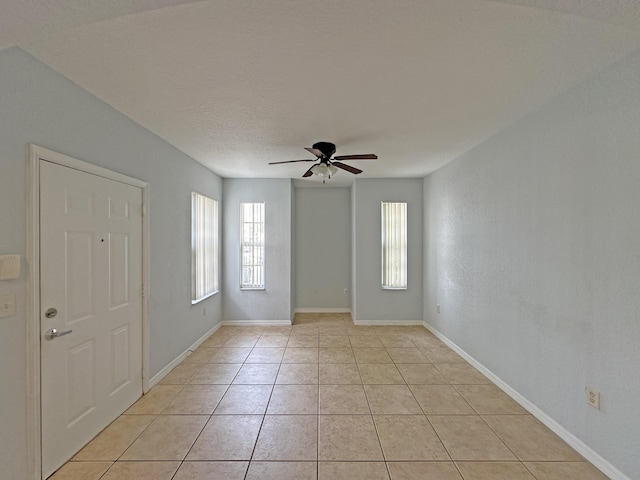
(315, 151)
(308, 173)
(363, 156)
(293, 161)
(348, 168)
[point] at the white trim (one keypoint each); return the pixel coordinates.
(146, 283)
(574, 442)
(163, 373)
(195, 302)
(393, 237)
(61, 159)
(394, 323)
(264, 247)
(205, 248)
(256, 323)
(36, 153)
(322, 310)
(34, 440)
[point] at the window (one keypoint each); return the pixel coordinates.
(252, 248)
(394, 245)
(204, 247)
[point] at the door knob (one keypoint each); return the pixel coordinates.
(53, 333)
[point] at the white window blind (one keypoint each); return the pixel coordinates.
(204, 247)
(252, 248)
(394, 245)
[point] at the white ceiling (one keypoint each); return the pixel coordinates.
(237, 84)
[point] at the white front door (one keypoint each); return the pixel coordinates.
(91, 302)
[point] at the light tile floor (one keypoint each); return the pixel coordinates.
(325, 399)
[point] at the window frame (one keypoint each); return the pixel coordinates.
(263, 224)
(399, 234)
(211, 260)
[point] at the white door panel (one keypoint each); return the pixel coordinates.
(91, 272)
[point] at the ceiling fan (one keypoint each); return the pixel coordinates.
(327, 164)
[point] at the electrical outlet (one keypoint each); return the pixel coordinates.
(593, 397)
(438, 308)
(7, 305)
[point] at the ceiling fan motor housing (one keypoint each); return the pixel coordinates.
(327, 148)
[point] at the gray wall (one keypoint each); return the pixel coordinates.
(369, 301)
(274, 302)
(39, 106)
(534, 257)
(323, 247)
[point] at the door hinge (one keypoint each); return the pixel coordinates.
(144, 210)
(143, 292)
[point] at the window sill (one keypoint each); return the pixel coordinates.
(198, 300)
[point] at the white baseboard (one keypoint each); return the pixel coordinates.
(322, 310)
(389, 323)
(578, 445)
(165, 371)
(256, 323)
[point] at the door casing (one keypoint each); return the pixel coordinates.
(36, 153)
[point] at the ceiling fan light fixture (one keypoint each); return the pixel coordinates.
(321, 170)
(324, 171)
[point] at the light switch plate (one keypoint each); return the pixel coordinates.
(7, 305)
(9, 267)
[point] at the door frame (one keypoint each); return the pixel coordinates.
(36, 154)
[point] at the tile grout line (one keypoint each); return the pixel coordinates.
(273, 385)
(208, 420)
(375, 425)
(264, 416)
(156, 416)
(318, 425)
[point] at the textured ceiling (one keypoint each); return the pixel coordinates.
(237, 84)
